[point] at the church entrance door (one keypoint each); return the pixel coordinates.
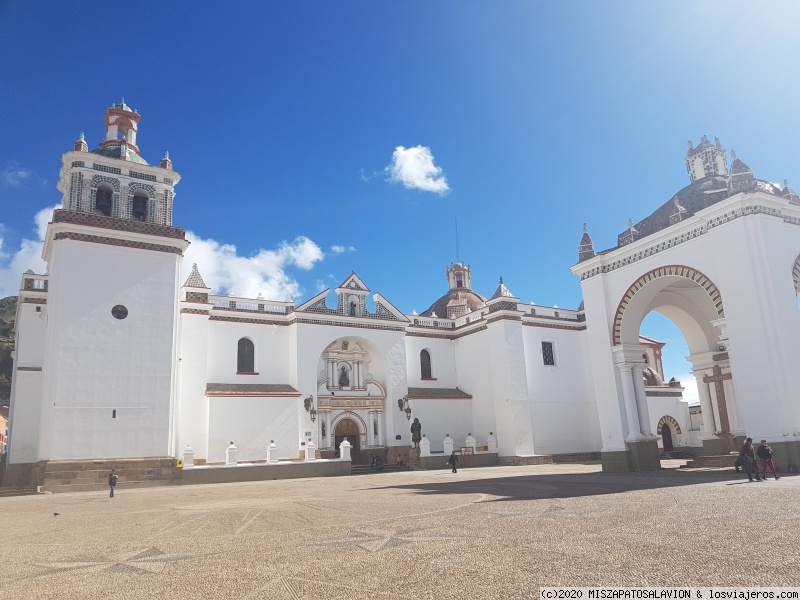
(348, 428)
(666, 437)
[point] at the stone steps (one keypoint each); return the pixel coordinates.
(387, 468)
(95, 487)
(7, 492)
(722, 461)
(92, 475)
(677, 455)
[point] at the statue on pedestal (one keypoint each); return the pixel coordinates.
(416, 432)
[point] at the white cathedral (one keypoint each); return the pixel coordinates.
(117, 357)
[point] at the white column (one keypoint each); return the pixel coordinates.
(641, 399)
(379, 416)
(329, 438)
(332, 381)
(733, 408)
(370, 430)
(706, 406)
(629, 398)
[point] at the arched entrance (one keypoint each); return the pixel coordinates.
(666, 438)
(691, 301)
(348, 428)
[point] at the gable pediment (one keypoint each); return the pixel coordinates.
(353, 284)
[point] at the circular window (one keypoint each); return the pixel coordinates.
(119, 312)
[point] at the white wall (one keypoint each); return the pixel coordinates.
(564, 416)
(95, 364)
(251, 423)
(442, 416)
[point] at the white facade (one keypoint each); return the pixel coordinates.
(185, 368)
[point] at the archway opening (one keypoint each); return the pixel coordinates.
(667, 316)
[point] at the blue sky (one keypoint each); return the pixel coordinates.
(284, 119)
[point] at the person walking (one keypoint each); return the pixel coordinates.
(764, 452)
(112, 482)
(453, 461)
(748, 457)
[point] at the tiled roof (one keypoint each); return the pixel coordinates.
(250, 389)
(474, 302)
(195, 280)
(119, 152)
(435, 393)
(502, 291)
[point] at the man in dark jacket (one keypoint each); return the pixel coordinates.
(748, 457)
(453, 461)
(764, 452)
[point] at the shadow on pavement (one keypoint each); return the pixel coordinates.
(541, 486)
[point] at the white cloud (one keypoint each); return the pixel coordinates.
(27, 256)
(264, 273)
(14, 175)
(414, 168)
(338, 249)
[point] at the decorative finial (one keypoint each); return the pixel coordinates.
(630, 223)
(733, 154)
(166, 155)
(785, 183)
(81, 137)
(501, 280)
(194, 266)
(691, 146)
(585, 228)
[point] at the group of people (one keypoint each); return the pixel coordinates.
(747, 460)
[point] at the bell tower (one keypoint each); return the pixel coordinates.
(114, 180)
(114, 260)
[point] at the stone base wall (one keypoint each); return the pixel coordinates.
(265, 472)
(439, 461)
(549, 459)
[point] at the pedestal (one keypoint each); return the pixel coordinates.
(272, 453)
(491, 442)
(723, 443)
(230, 455)
(448, 445)
(344, 450)
(311, 451)
(644, 455)
(188, 457)
(424, 447)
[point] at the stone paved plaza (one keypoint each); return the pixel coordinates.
(481, 533)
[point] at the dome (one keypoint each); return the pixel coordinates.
(117, 152)
(472, 300)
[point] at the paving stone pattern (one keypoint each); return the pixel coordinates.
(481, 533)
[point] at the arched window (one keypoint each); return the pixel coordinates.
(102, 201)
(139, 208)
(246, 357)
(425, 364)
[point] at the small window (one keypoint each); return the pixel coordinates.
(425, 364)
(459, 280)
(246, 357)
(139, 208)
(102, 201)
(548, 356)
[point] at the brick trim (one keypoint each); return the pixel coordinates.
(96, 220)
(97, 239)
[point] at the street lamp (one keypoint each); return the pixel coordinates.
(402, 404)
(310, 408)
